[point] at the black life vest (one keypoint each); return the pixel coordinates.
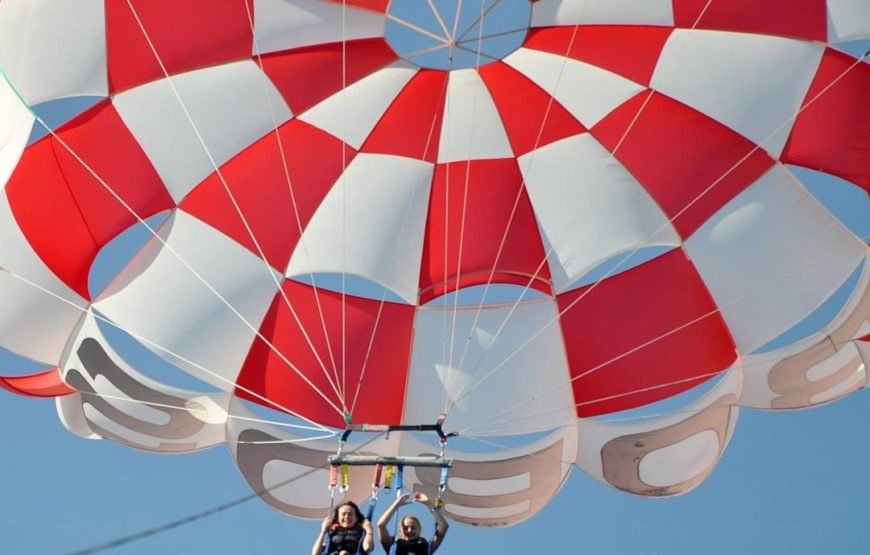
(346, 539)
(417, 546)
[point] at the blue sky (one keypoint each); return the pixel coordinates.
(793, 482)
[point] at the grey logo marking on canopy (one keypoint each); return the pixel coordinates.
(181, 423)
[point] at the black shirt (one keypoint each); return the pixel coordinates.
(417, 546)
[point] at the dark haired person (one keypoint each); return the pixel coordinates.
(347, 532)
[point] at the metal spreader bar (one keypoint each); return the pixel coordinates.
(372, 460)
(387, 428)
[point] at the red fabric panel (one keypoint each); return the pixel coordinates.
(44, 384)
(373, 5)
(833, 133)
(630, 309)
(100, 138)
(411, 126)
(677, 153)
(807, 19)
(382, 391)
(48, 216)
(187, 35)
(493, 186)
(306, 76)
(66, 213)
(523, 107)
(631, 51)
(258, 182)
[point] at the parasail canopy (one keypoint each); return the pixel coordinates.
(517, 217)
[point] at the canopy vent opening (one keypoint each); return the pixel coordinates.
(440, 38)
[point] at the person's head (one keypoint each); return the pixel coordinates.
(410, 528)
(347, 515)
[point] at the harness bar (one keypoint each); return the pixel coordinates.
(387, 428)
(371, 460)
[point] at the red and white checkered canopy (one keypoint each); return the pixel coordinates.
(286, 140)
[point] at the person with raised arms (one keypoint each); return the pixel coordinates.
(410, 540)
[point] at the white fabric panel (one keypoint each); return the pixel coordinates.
(119, 403)
(228, 106)
(712, 70)
(757, 391)
(588, 92)
(848, 20)
(114, 429)
(500, 512)
(285, 24)
(852, 305)
(52, 49)
(771, 256)
(352, 113)
(674, 460)
(383, 201)
(472, 128)
(22, 324)
(498, 488)
(864, 350)
(413, 444)
(539, 369)
(589, 207)
(829, 366)
(820, 371)
(33, 323)
(70, 411)
(698, 452)
(608, 12)
(117, 399)
(309, 491)
(159, 299)
(15, 127)
(511, 484)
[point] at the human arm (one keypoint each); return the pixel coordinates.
(317, 548)
(384, 534)
(368, 543)
(441, 526)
